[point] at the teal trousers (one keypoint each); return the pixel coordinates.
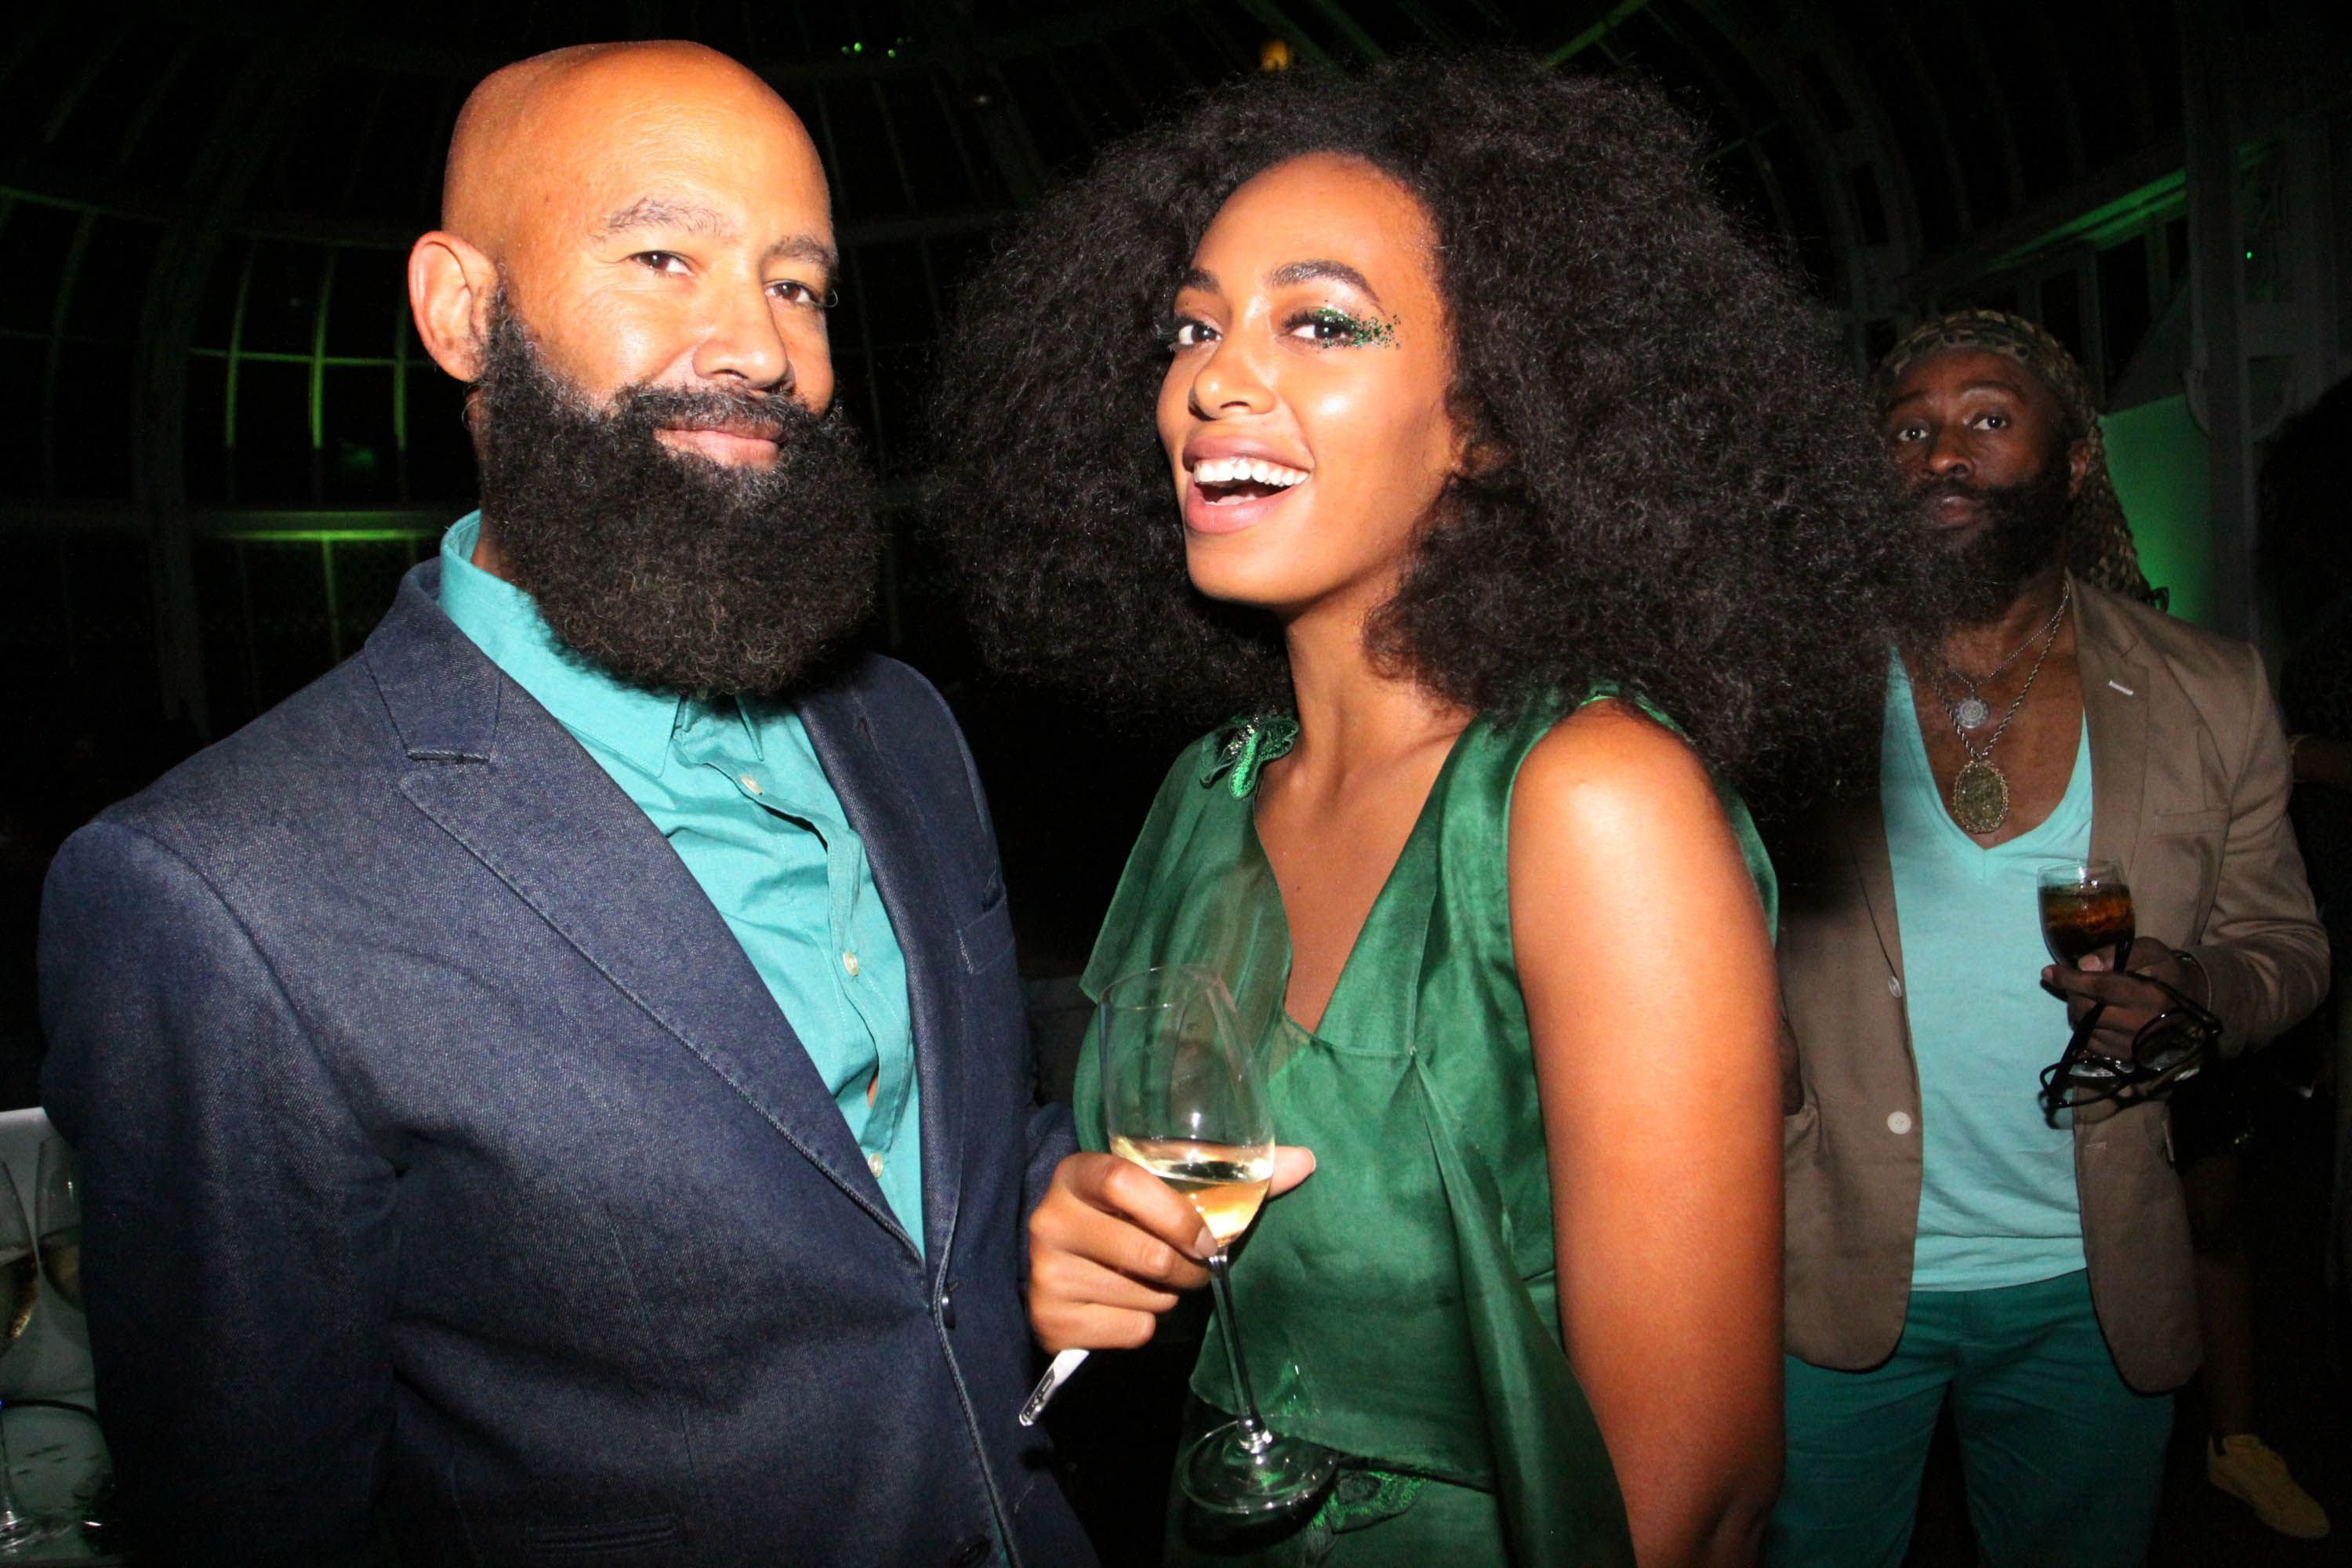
(2064, 1460)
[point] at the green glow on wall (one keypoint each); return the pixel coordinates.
(2162, 467)
(328, 535)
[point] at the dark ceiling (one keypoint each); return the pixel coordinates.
(215, 190)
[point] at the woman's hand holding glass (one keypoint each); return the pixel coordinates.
(1112, 1244)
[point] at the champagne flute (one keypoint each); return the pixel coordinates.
(20, 1284)
(56, 1219)
(1185, 1099)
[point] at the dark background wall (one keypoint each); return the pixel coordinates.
(220, 445)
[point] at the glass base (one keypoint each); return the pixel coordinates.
(1223, 1474)
(19, 1528)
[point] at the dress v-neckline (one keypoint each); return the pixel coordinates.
(1372, 913)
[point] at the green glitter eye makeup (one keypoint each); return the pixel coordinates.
(1338, 328)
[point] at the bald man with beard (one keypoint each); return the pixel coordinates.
(557, 1088)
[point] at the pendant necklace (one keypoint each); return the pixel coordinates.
(1980, 790)
(1972, 711)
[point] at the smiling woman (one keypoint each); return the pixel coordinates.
(1484, 443)
(1670, 486)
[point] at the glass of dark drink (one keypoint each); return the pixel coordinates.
(2085, 906)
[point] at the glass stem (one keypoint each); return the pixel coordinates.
(1255, 1435)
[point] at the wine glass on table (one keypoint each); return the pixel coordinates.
(20, 1284)
(1184, 1098)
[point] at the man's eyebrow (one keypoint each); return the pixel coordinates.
(1990, 385)
(807, 248)
(1291, 272)
(660, 212)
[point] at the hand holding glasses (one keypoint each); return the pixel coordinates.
(2086, 907)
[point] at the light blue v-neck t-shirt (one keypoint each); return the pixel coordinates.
(737, 789)
(1997, 1205)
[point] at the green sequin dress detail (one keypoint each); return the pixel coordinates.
(1411, 1282)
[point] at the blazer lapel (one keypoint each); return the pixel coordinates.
(2116, 696)
(898, 847)
(504, 779)
(1873, 868)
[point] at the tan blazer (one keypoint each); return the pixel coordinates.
(2189, 777)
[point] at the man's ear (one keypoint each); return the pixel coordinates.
(2078, 465)
(451, 283)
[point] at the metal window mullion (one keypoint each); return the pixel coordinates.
(1924, 84)
(1751, 133)
(78, 88)
(334, 611)
(252, 647)
(831, 147)
(319, 373)
(1112, 69)
(1365, 44)
(949, 111)
(897, 154)
(136, 126)
(55, 360)
(235, 348)
(866, 341)
(1217, 36)
(401, 327)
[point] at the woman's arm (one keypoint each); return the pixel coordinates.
(1649, 982)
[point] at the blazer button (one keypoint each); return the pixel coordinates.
(947, 1303)
(1893, 986)
(973, 1552)
(1898, 1123)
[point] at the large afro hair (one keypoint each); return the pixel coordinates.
(1683, 494)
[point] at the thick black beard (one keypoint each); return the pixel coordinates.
(668, 570)
(2023, 535)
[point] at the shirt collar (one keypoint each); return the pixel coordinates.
(504, 622)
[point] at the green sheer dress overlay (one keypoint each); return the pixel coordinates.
(1401, 1306)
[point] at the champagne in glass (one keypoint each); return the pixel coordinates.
(1184, 1098)
(56, 1219)
(1225, 1182)
(2086, 905)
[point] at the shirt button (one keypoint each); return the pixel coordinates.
(1898, 1122)
(849, 962)
(750, 783)
(873, 1163)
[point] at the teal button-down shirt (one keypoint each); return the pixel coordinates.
(736, 788)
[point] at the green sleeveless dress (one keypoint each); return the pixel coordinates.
(1401, 1306)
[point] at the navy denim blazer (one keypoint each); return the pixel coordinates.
(449, 1166)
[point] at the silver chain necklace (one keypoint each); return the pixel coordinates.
(1972, 711)
(1980, 790)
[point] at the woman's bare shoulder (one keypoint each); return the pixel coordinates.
(1609, 767)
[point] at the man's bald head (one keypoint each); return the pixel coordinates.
(539, 123)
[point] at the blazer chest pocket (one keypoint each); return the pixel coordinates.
(647, 1542)
(986, 938)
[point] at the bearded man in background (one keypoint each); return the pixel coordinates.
(557, 1085)
(1952, 1235)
